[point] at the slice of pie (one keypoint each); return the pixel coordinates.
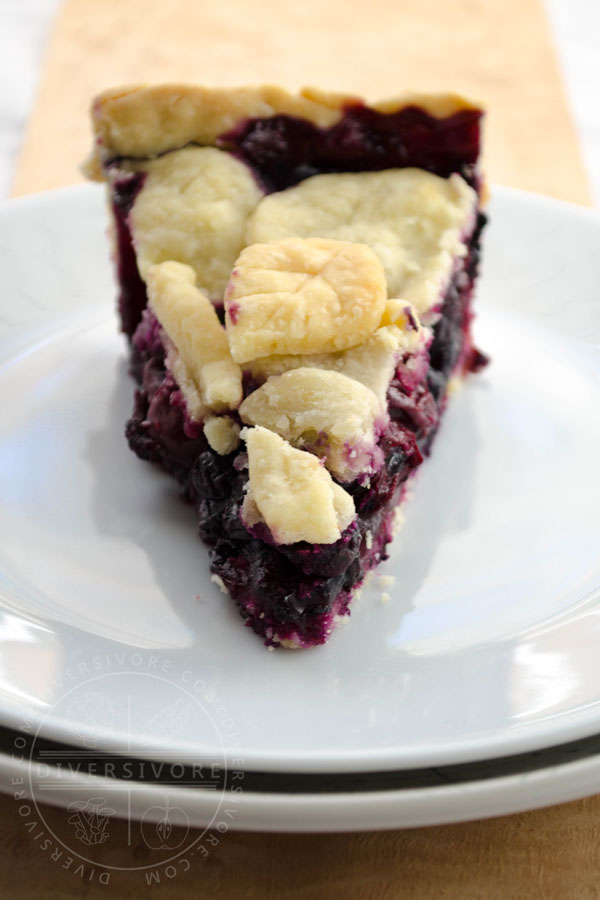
(296, 278)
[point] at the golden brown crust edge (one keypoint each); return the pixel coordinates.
(144, 121)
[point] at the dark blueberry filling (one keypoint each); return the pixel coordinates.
(158, 430)
(295, 592)
(284, 150)
(132, 290)
(453, 327)
(146, 344)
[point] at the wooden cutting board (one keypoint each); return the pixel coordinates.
(543, 855)
(496, 50)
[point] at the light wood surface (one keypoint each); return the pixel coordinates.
(496, 50)
(548, 854)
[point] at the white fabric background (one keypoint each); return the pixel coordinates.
(24, 26)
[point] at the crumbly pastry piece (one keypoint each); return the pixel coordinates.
(372, 362)
(193, 208)
(323, 411)
(292, 493)
(207, 374)
(296, 276)
(302, 296)
(222, 434)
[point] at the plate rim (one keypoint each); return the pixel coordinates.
(321, 811)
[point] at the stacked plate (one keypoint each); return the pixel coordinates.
(467, 680)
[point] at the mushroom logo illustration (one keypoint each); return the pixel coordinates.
(90, 818)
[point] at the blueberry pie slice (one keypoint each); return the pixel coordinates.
(296, 278)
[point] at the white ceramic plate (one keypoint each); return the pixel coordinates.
(556, 781)
(489, 644)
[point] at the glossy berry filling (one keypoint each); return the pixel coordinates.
(132, 298)
(284, 150)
